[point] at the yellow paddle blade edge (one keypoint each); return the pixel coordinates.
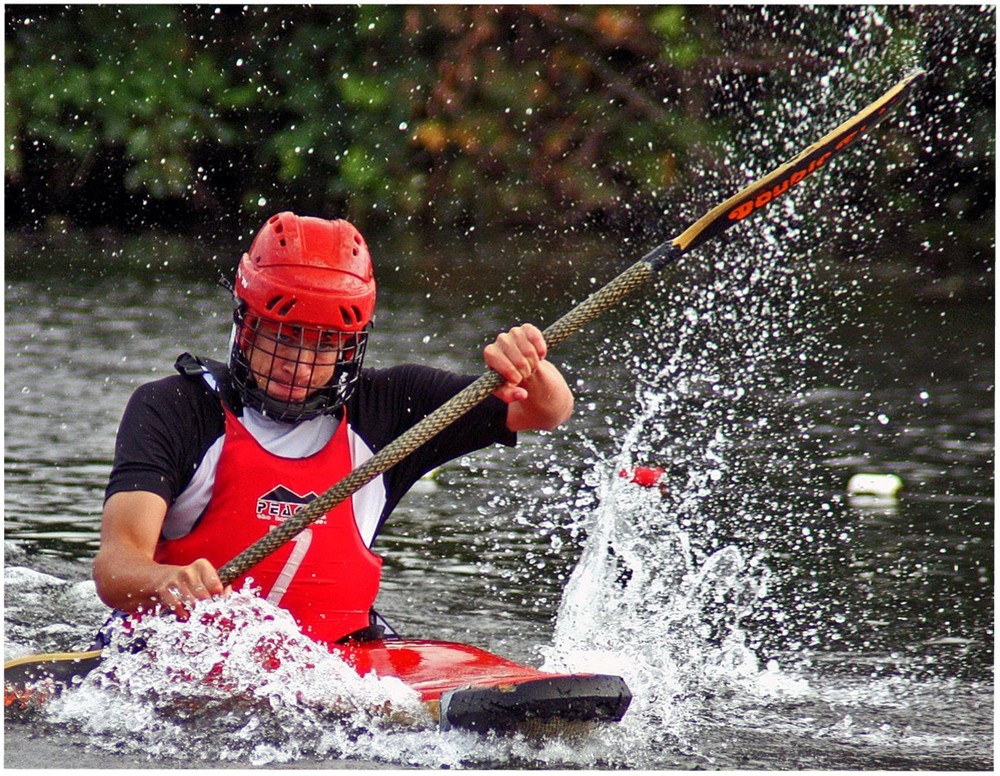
(60, 667)
(773, 185)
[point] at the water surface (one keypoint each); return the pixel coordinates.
(763, 618)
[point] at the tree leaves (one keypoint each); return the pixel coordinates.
(443, 115)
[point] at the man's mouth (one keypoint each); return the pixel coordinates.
(287, 391)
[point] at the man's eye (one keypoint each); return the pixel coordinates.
(329, 343)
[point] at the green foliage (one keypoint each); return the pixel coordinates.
(442, 115)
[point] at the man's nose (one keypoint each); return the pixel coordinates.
(300, 359)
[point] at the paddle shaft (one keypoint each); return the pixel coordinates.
(746, 202)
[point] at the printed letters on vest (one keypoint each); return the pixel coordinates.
(326, 577)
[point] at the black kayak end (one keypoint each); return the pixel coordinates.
(537, 704)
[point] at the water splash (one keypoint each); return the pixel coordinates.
(230, 684)
(674, 586)
(646, 603)
(239, 683)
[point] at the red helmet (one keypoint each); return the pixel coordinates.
(305, 297)
(308, 271)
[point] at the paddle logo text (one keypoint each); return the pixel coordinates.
(771, 193)
(281, 503)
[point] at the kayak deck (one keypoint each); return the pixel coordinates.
(433, 667)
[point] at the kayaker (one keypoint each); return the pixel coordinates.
(209, 460)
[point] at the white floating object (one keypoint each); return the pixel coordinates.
(885, 486)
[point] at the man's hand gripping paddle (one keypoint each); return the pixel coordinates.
(750, 200)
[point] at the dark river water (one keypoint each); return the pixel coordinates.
(764, 616)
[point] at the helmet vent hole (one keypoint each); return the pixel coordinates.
(285, 305)
(349, 319)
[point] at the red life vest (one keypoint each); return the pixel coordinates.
(326, 577)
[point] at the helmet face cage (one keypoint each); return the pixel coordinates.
(290, 372)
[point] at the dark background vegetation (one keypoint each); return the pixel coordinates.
(200, 118)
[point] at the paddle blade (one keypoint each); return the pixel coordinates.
(774, 185)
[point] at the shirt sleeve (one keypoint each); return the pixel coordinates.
(391, 401)
(165, 430)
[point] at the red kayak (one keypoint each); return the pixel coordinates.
(463, 686)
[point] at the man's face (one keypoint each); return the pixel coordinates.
(291, 362)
